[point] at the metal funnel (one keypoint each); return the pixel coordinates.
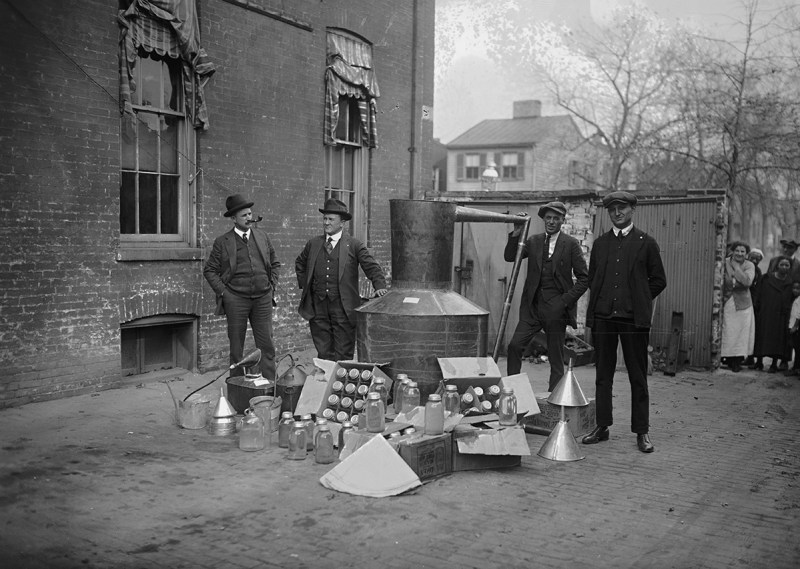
(560, 445)
(223, 421)
(568, 392)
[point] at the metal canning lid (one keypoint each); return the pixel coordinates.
(346, 402)
(354, 419)
(341, 373)
(337, 385)
(350, 388)
(467, 398)
(306, 417)
(321, 422)
(410, 431)
(412, 384)
(394, 435)
(324, 427)
(341, 416)
(328, 413)
(508, 390)
(486, 405)
(299, 425)
(373, 395)
(378, 380)
(358, 405)
(366, 374)
(450, 387)
(362, 389)
(354, 373)
(494, 389)
(478, 391)
(401, 376)
(434, 397)
(333, 399)
(347, 425)
(287, 415)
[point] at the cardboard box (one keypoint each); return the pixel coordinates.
(580, 420)
(318, 387)
(578, 351)
(428, 456)
(466, 372)
(478, 449)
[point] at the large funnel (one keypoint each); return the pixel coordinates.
(421, 319)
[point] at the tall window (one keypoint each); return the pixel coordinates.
(154, 197)
(472, 166)
(510, 166)
(350, 131)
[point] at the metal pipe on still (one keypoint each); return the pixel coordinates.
(422, 318)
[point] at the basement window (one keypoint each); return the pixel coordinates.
(159, 343)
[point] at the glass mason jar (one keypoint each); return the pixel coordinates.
(297, 442)
(347, 427)
(478, 392)
(451, 399)
(399, 388)
(379, 386)
(337, 386)
(467, 401)
(354, 374)
(251, 435)
(366, 376)
(410, 397)
(350, 388)
(434, 415)
(309, 424)
(374, 413)
(323, 446)
(341, 373)
(320, 422)
(329, 414)
(507, 407)
(342, 416)
(285, 429)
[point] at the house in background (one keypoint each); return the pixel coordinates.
(530, 153)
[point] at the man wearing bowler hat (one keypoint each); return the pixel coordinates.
(327, 272)
(243, 271)
(625, 276)
(550, 294)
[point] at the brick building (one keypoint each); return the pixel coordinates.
(107, 218)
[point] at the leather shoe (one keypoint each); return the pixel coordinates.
(598, 434)
(644, 444)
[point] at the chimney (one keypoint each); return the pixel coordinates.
(531, 108)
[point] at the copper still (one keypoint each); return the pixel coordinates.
(421, 318)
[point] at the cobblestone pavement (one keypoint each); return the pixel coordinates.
(108, 480)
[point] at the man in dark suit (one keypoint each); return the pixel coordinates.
(327, 271)
(243, 272)
(550, 295)
(625, 275)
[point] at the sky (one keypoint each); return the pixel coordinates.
(474, 88)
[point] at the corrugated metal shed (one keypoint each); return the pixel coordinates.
(687, 230)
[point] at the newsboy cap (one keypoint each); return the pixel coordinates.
(790, 243)
(338, 207)
(557, 207)
(236, 202)
(620, 197)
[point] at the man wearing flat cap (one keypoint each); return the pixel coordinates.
(243, 272)
(550, 294)
(327, 272)
(625, 276)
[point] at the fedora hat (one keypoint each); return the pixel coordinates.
(236, 202)
(620, 197)
(557, 207)
(790, 243)
(333, 205)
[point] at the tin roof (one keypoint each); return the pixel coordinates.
(524, 131)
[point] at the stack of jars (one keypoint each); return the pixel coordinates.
(305, 437)
(479, 400)
(349, 394)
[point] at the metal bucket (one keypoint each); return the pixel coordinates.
(194, 413)
(268, 408)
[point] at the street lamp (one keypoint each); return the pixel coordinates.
(489, 177)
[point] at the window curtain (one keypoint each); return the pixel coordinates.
(170, 29)
(349, 73)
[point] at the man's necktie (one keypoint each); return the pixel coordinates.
(244, 237)
(546, 253)
(329, 245)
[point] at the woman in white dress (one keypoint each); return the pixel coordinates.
(738, 320)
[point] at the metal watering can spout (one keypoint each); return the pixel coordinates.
(290, 383)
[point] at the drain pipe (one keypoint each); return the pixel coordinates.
(412, 149)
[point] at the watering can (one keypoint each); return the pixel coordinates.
(289, 384)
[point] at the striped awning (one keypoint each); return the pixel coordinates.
(349, 73)
(170, 29)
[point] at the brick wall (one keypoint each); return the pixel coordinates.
(64, 293)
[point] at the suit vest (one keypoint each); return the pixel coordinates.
(326, 273)
(615, 299)
(251, 278)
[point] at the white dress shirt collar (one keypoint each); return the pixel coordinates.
(625, 230)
